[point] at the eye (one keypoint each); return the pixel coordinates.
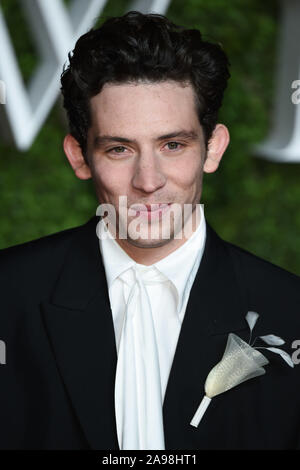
(119, 149)
(174, 145)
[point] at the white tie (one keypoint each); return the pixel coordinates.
(138, 398)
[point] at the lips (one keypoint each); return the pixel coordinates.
(150, 212)
(150, 207)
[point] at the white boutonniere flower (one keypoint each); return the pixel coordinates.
(241, 361)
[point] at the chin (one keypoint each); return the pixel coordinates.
(149, 243)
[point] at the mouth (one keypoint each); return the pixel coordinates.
(150, 211)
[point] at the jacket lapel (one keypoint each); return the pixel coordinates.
(216, 307)
(79, 323)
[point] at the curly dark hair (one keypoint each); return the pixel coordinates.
(142, 47)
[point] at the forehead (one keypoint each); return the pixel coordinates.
(144, 107)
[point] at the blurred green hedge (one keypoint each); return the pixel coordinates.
(250, 202)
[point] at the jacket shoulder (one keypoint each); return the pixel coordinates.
(268, 290)
(261, 269)
(37, 255)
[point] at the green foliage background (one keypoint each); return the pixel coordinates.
(250, 202)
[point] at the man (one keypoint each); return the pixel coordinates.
(109, 339)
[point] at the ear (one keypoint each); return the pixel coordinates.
(76, 159)
(216, 147)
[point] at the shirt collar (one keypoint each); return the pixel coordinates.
(187, 256)
(115, 259)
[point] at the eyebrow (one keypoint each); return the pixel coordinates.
(101, 140)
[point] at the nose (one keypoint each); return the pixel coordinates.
(148, 175)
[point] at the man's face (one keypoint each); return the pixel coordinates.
(146, 143)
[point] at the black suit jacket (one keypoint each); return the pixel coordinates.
(57, 386)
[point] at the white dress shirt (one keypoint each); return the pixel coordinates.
(168, 297)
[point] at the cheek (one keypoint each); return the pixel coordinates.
(111, 179)
(187, 173)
